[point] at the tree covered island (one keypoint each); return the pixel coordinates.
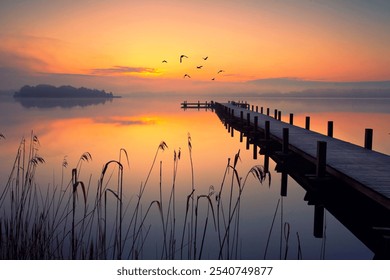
(49, 91)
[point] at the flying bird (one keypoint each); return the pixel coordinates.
(220, 71)
(205, 58)
(182, 56)
(199, 67)
(213, 79)
(164, 61)
(186, 75)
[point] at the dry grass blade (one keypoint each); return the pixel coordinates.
(76, 183)
(163, 146)
(36, 140)
(115, 194)
(211, 206)
(127, 156)
(86, 157)
(37, 160)
(65, 162)
(107, 164)
(189, 142)
(299, 257)
(236, 158)
(258, 172)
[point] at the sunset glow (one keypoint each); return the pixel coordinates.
(90, 42)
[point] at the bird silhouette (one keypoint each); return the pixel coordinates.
(205, 58)
(182, 56)
(164, 61)
(213, 79)
(220, 71)
(199, 67)
(186, 75)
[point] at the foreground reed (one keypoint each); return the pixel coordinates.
(74, 221)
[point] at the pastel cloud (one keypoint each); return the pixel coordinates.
(118, 70)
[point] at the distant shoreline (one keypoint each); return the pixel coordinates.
(52, 92)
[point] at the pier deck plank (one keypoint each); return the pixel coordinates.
(367, 170)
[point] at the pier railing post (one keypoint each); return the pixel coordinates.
(254, 151)
(256, 123)
(285, 140)
(283, 187)
(291, 118)
(266, 162)
(261, 110)
(242, 117)
(330, 128)
(318, 221)
(276, 114)
(267, 111)
(267, 130)
(279, 115)
(368, 138)
(321, 159)
(307, 123)
(257, 109)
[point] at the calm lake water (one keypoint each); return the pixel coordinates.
(270, 226)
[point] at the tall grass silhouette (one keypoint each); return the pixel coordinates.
(80, 219)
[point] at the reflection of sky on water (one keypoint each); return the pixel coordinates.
(138, 125)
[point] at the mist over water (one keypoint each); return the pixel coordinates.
(138, 125)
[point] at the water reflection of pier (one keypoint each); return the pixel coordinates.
(350, 182)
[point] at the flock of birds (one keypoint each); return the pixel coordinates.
(197, 67)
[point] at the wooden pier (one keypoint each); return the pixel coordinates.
(352, 182)
(197, 105)
(365, 169)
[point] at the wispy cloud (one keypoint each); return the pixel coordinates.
(119, 70)
(125, 121)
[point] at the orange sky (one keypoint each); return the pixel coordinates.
(119, 45)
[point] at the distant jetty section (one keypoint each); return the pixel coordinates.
(49, 91)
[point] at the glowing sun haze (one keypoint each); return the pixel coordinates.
(120, 45)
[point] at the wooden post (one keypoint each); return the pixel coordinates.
(276, 114)
(266, 162)
(247, 143)
(241, 136)
(257, 109)
(262, 110)
(253, 108)
(283, 187)
(267, 130)
(285, 140)
(267, 111)
(368, 138)
(256, 123)
(321, 159)
(254, 151)
(330, 128)
(318, 221)
(291, 118)
(279, 115)
(242, 117)
(307, 123)
(248, 119)
(232, 132)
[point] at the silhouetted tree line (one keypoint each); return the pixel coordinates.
(48, 91)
